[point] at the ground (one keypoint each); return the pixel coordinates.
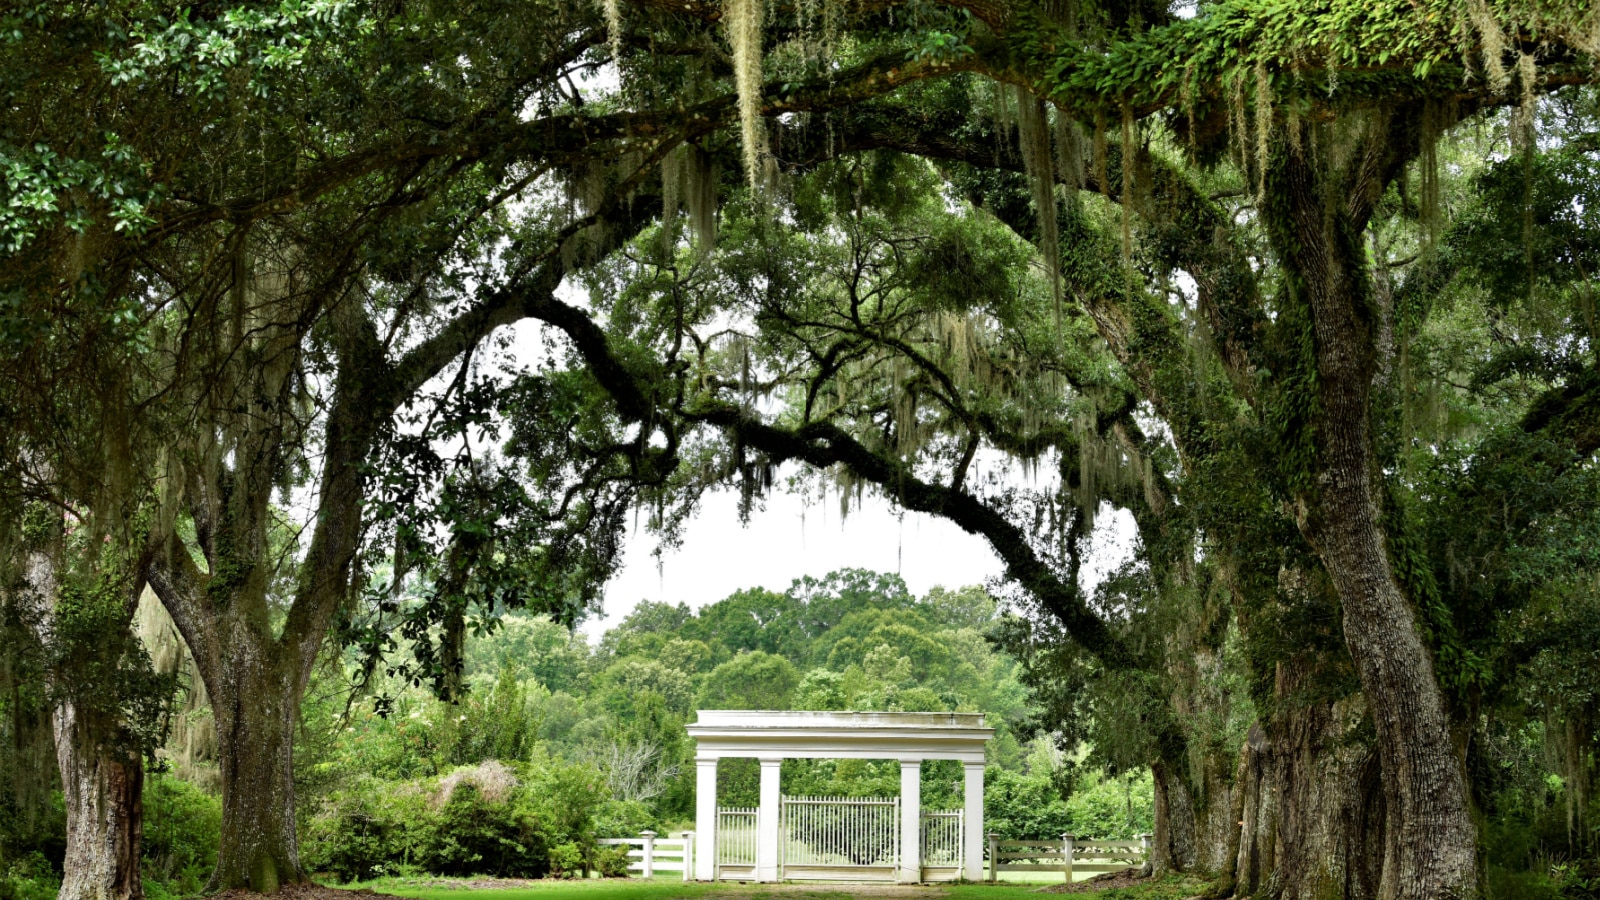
(1120, 887)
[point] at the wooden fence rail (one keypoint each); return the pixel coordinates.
(1067, 855)
(649, 854)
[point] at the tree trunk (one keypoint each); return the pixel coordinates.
(102, 777)
(255, 694)
(1173, 847)
(1327, 817)
(1256, 854)
(1194, 816)
(102, 789)
(1316, 230)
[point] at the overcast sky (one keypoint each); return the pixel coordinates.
(786, 540)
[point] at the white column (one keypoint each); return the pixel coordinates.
(972, 816)
(705, 818)
(910, 821)
(767, 821)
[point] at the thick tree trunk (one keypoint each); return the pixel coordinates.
(1174, 846)
(1432, 853)
(102, 788)
(1195, 816)
(255, 698)
(1328, 813)
(254, 677)
(1257, 845)
(102, 779)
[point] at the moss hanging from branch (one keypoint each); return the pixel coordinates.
(1070, 155)
(689, 184)
(613, 14)
(1100, 154)
(1033, 139)
(743, 21)
(1436, 118)
(1263, 127)
(1494, 44)
(1127, 182)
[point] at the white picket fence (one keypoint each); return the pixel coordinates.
(650, 855)
(1067, 855)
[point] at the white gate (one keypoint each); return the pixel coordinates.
(840, 837)
(736, 843)
(943, 836)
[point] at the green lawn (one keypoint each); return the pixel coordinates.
(671, 889)
(1171, 888)
(610, 889)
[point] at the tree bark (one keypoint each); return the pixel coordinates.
(254, 681)
(255, 698)
(1174, 846)
(1316, 229)
(102, 789)
(102, 777)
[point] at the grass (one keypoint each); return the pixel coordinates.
(664, 889)
(1169, 888)
(593, 889)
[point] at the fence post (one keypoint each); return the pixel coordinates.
(994, 855)
(1066, 854)
(688, 855)
(1144, 847)
(649, 852)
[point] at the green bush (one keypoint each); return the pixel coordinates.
(181, 828)
(29, 877)
(611, 862)
(473, 835)
(1505, 884)
(381, 828)
(371, 829)
(1024, 807)
(566, 860)
(1031, 806)
(622, 819)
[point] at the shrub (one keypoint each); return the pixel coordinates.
(30, 877)
(566, 860)
(473, 835)
(622, 818)
(1505, 883)
(181, 828)
(611, 862)
(374, 828)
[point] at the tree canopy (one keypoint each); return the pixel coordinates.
(346, 326)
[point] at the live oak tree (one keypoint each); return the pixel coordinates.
(297, 263)
(311, 210)
(74, 489)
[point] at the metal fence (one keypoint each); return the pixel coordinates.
(942, 833)
(736, 836)
(840, 831)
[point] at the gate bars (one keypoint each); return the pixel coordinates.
(837, 833)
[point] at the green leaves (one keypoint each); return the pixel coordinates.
(204, 53)
(939, 46)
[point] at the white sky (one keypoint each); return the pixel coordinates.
(788, 539)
